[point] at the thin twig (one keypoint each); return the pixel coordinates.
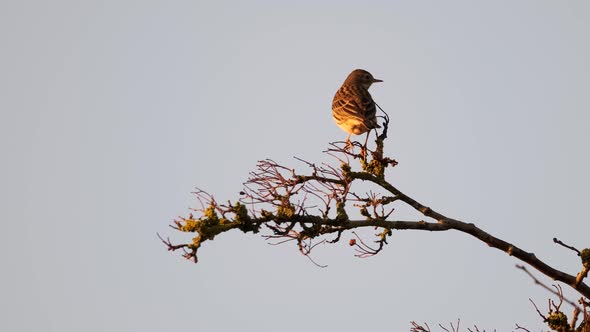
(518, 327)
(566, 246)
(538, 311)
(537, 282)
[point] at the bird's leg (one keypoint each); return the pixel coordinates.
(349, 145)
(367, 138)
(364, 148)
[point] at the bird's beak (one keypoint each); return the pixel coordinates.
(376, 80)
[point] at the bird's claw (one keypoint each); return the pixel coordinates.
(349, 145)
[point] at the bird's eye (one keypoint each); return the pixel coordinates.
(367, 77)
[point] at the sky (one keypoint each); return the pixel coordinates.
(112, 112)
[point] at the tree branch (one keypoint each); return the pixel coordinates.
(478, 233)
(306, 207)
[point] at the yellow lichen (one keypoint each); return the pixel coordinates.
(346, 171)
(557, 321)
(241, 213)
(210, 216)
(585, 256)
(190, 225)
(341, 214)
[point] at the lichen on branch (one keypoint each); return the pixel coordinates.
(315, 207)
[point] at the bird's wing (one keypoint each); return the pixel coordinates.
(345, 104)
(366, 104)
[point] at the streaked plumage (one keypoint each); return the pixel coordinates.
(353, 108)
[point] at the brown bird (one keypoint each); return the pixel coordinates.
(353, 108)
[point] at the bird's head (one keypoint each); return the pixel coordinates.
(361, 77)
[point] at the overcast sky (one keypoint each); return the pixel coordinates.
(113, 111)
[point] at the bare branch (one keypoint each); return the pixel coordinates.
(538, 311)
(285, 203)
(559, 292)
(419, 328)
(537, 282)
(453, 328)
(190, 255)
(575, 315)
(566, 246)
(518, 327)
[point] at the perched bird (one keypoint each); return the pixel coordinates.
(353, 108)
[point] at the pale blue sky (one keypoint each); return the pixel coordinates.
(112, 111)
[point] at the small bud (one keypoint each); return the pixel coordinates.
(352, 242)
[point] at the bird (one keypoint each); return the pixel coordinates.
(353, 108)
